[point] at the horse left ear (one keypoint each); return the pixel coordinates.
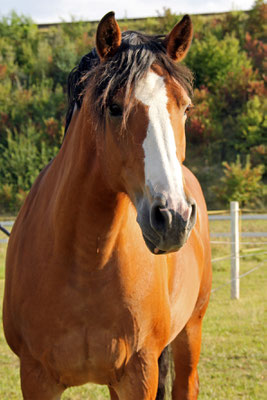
(180, 38)
(108, 36)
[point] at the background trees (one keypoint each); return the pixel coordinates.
(229, 118)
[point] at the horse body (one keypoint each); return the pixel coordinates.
(88, 297)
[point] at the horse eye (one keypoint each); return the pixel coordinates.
(188, 108)
(115, 110)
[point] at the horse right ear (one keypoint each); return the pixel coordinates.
(108, 36)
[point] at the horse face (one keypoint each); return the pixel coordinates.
(145, 159)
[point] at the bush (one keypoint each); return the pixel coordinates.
(21, 161)
(199, 127)
(252, 124)
(256, 23)
(212, 59)
(242, 184)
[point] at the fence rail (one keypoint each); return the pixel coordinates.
(6, 223)
(242, 234)
(243, 217)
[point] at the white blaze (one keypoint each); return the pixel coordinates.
(163, 173)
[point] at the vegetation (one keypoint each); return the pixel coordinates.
(242, 184)
(229, 117)
(233, 346)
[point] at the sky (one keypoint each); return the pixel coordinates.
(49, 11)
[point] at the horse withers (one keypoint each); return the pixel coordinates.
(109, 259)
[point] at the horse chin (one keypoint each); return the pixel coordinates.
(152, 247)
(158, 249)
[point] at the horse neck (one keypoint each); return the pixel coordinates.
(85, 210)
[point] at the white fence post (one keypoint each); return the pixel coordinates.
(234, 208)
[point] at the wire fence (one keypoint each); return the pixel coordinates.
(235, 218)
(262, 264)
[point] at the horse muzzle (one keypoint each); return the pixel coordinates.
(164, 229)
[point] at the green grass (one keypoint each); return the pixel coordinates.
(233, 358)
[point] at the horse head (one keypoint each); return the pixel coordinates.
(141, 96)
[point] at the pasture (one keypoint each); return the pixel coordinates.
(233, 359)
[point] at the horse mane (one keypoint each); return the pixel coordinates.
(136, 55)
(76, 84)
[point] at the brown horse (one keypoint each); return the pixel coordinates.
(109, 259)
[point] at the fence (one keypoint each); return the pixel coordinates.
(3, 229)
(235, 235)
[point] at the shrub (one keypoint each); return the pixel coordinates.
(252, 124)
(212, 59)
(21, 161)
(242, 184)
(199, 127)
(256, 23)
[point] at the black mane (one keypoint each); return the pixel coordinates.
(135, 56)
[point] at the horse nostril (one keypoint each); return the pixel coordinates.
(160, 218)
(193, 216)
(157, 217)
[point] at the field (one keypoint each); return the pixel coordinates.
(233, 358)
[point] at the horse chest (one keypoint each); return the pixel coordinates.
(100, 327)
(98, 349)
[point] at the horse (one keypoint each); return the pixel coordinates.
(109, 261)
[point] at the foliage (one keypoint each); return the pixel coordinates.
(235, 22)
(212, 59)
(242, 184)
(230, 106)
(257, 51)
(22, 158)
(256, 23)
(166, 20)
(199, 127)
(253, 123)
(34, 67)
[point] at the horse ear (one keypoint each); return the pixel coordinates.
(179, 40)
(108, 36)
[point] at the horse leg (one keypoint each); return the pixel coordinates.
(36, 383)
(163, 364)
(140, 378)
(186, 351)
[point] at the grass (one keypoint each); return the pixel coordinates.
(233, 358)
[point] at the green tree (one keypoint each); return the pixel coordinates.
(212, 59)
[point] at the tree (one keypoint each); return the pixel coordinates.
(212, 59)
